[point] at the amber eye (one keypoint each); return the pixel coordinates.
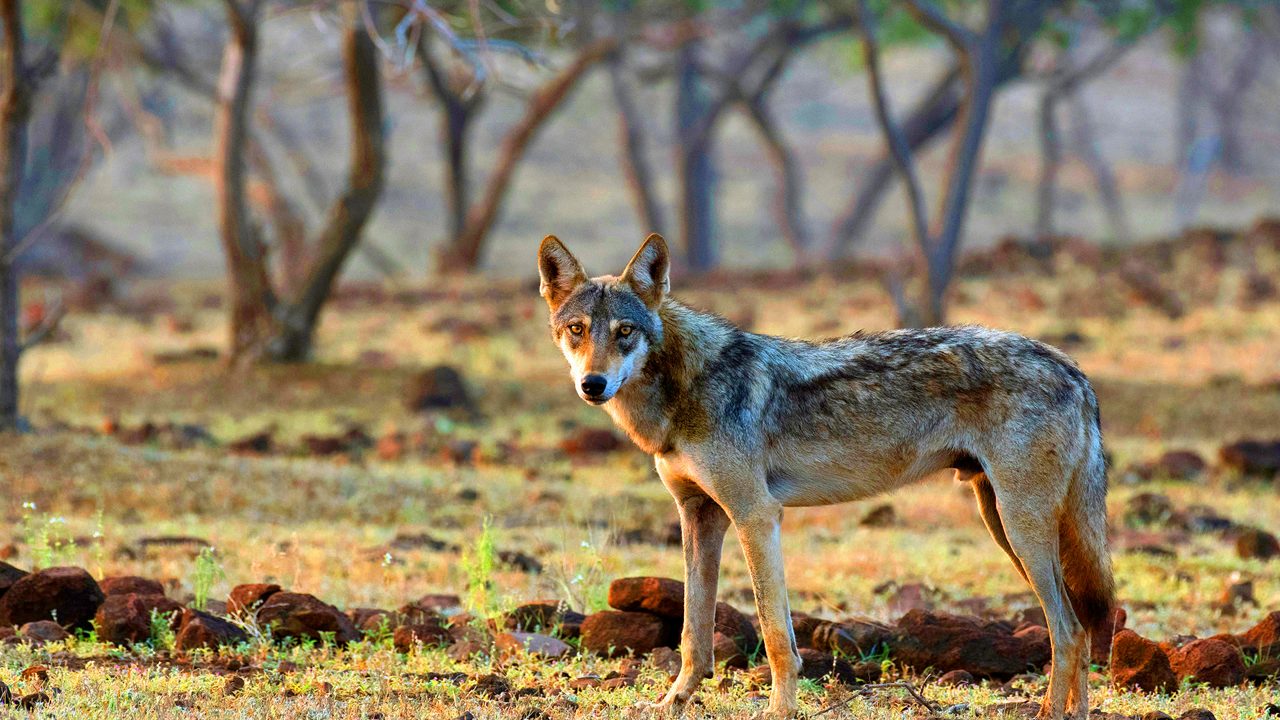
(576, 328)
(625, 330)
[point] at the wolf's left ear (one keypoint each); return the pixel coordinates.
(560, 271)
(648, 273)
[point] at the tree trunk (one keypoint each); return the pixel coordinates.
(1104, 179)
(789, 197)
(695, 165)
(635, 165)
(927, 121)
(349, 213)
(455, 134)
(1050, 162)
(463, 253)
(251, 299)
(15, 109)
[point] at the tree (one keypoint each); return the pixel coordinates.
(15, 109)
(264, 323)
(979, 56)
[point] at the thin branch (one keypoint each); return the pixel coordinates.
(929, 15)
(899, 148)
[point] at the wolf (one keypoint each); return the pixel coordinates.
(741, 425)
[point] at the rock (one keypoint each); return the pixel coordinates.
(408, 637)
(1204, 519)
(1197, 714)
(299, 615)
(957, 678)
(851, 638)
(259, 443)
(439, 602)
(1157, 715)
(667, 660)
(438, 388)
(880, 516)
(1264, 671)
(947, 642)
(735, 625)
(591, 441)
(126, 584)
(726, 650)
(804, 626)
(201, 630)
(1253, 543)
(126, 619)
(1212, 662)
(494, 686)
(615, 634)
(1271, 710)
(661, 596)
(1148, 509)
(1100, 638)
(514, 644)
(369, 620)
(1180, 465)
(68, 595)
(1259, 458)
(520, 561)
(247, 598)
(9, 575)
(1139, 663)
(912, 596)
(535, 616)
(816, 665)
(1264, 638)
(1235, 596)
(40, 632)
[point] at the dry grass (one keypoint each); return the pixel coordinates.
(322, 525)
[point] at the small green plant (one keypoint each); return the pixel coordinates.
(207, 571)
(479, 563)
(162, 635)
(46, 538)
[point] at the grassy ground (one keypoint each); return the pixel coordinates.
(328, 525)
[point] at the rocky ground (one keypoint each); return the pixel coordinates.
(427, 523)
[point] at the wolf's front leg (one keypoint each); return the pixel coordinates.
(759, 525)
(702, 527)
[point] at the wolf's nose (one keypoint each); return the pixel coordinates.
(594, 385)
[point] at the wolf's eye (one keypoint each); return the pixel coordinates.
(625, 330)
(576, 328)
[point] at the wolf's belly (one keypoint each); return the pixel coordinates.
(806, 479)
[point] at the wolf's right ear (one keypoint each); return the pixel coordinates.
(648, 273)
(560, 271)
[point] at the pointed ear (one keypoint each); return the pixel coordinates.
(649, 270)
(560, 271)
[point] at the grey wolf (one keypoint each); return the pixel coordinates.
(741, 425)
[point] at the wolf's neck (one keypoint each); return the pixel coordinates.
(650, 408)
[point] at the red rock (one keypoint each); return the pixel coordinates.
(1181, 465)
(1212, 662)
(1137, 662)
(1252, 457)
(616, 634)
(947, 642)
(249, 597)
(438, 388)
(816, 665)
(591, 441)
(539, 615)
(408, 637)
(514, 644)
(733, 624)
(9, 575)
(661, 596)
(299, 615)
(126, 619)
(125, 584)
(201, 630)
(368, 620)
(66, 594)
(880, 516)
(804, 625)
(726, 650)
(1100, 637)
(958, 678)
(1197, 714)
(1264, 638)
(851, 638)
(40, 632)
(1253, 543)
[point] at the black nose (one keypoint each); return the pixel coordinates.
(594, 385)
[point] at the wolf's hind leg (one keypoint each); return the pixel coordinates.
(703, 524)
(1030, 520)
(986, 496)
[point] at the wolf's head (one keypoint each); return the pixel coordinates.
(606, 326)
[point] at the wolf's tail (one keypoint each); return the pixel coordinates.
(1086, 559)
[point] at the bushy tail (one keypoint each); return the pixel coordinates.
(1086, 559)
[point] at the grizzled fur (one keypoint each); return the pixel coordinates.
(742, 424)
